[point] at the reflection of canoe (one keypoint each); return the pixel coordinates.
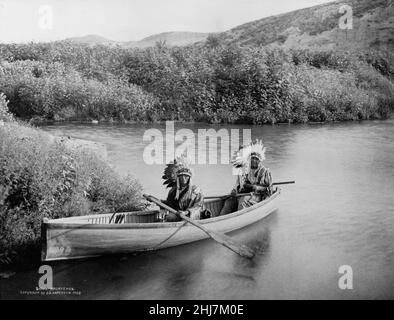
(88, 236)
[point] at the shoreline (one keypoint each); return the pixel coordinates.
(112, 122)
(98, 148)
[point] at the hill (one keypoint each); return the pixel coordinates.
(314, 27)
(318, 26)
(91, 39)
(176, 38)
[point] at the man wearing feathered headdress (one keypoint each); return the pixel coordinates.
(183, 195)
(253, 177)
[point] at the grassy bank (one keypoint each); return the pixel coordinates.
(214, 82)
(42, 177)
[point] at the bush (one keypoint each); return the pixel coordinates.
(327, 95)
(230, 84)
(330, 59)
(53, 91)
(215, 82)
(41, 178)
(5, 115)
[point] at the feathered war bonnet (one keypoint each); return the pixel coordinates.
(241, 158)
(180, 166)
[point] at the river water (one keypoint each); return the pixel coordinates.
(339, 212)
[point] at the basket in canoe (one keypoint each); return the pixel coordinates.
(94, 235)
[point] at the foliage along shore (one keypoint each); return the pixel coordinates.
(42, 176)
(212, 82)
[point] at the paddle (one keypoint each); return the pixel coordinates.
(246, 194)
(113, 215)
(224, 240)
(283, 182)
(238, 195)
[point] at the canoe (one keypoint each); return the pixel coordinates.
(93, 235)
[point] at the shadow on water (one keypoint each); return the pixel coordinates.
(257, 237)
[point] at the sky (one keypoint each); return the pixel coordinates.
(130, 20)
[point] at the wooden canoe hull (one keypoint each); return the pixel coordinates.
(73, 238)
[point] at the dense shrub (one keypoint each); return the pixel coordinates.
(331, 59)
(54, 91)
(98, 62)
(214, 82)
(327, 95)
(5, 115)
(41, 177)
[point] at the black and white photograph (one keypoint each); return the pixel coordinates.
(209, 152)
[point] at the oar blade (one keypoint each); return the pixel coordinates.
(233, 245)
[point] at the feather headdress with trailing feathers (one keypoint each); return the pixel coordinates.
(241, 158)
(242, 164)
(180, 166)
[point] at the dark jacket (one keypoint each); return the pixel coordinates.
(192, 201)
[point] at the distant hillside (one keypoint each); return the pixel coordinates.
(373, 26)
(91, 39)
(176, 38)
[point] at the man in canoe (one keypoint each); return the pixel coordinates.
(183, 196)
(252, 178)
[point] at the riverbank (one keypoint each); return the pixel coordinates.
(98, 149)
(44, 176)
(44, 122)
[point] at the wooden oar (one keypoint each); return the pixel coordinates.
(224, 240)
(238, 195)
(245, 194)
(283, 182)
(113, 215)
